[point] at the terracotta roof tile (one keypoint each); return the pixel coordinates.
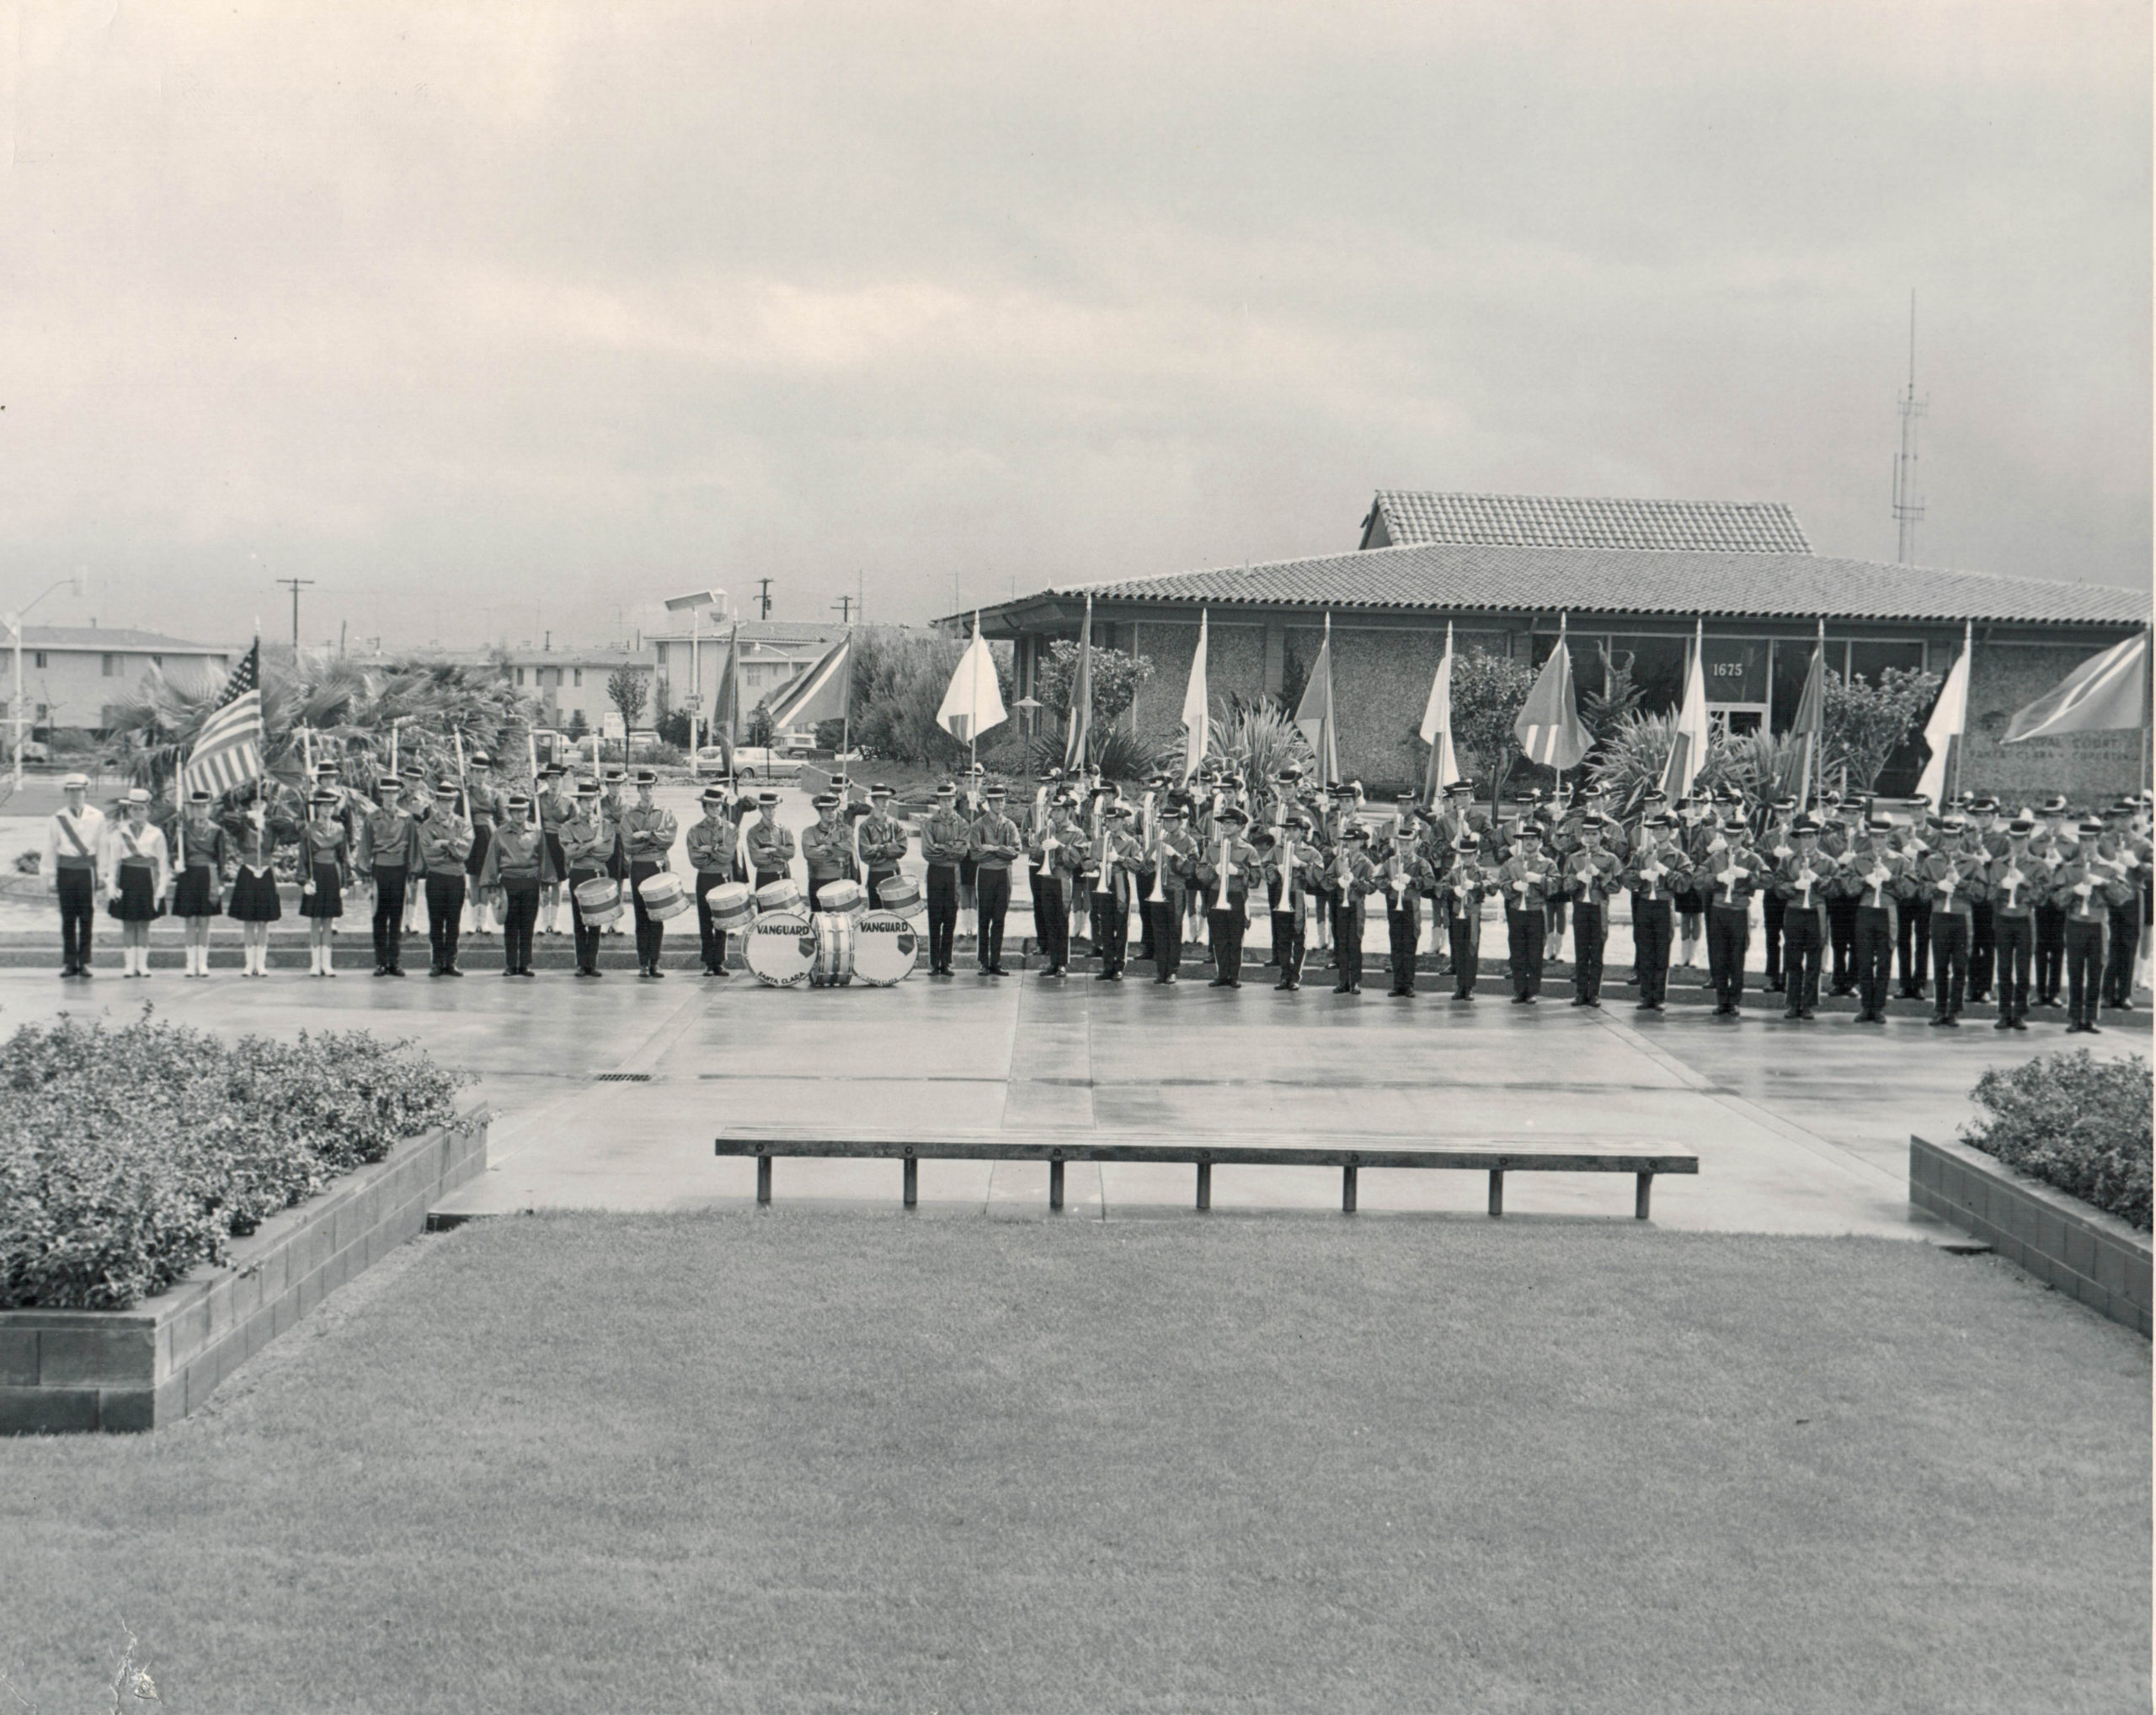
(1414, 516)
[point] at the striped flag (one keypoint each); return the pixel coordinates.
(2103, 694)
(227, 752)
(1314, 714)
(726, 695)
(1688, 753)
(1437, 730)
(817, 695)
(1082, 701)
(1549, 727)
(1196, 719)
(1810, 728)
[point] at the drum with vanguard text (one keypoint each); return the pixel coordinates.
(886, 948)
(782, 949)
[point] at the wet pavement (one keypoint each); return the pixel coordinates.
(608, 1094)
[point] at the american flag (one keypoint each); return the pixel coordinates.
(227, 751)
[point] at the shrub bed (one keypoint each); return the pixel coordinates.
(2075, 1122)
(129, 1156)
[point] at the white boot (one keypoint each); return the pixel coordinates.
(134, 960)
(313, 960)
(330, 958)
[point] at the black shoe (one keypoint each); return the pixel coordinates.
(1104, 976)
(1217, 982)
(433, 970)
(68, 969)
(997, 970)
(1284, 984)
(1940, 1021)
(2004, 1023)
(381, 970)
(657, 971)
(2020, 1024)
(397, 971)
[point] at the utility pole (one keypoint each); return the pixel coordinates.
(295, 584)
(845, 605)
(1908, 509)
(763, 597)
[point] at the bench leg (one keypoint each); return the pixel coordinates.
(1496, 1192)
(1346, 1191)
(1204, 1186)
(912, 1182)
(763, 1178)
(1645, 1186)
(1055, 1186)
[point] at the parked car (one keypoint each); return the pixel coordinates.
(755, 762)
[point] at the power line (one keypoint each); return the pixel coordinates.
(763, 597)
(295, 584)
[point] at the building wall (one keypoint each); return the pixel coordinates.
(2088, 768)
(74, 688)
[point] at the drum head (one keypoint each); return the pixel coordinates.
(782, 949)
(886, 948)
(599, 891)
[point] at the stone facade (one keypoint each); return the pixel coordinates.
(2088, 768)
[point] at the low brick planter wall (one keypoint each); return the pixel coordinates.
(2060, 1239)
(73, 1369)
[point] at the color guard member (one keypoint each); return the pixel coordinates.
(139, 871)
(74, 839)
(325, 871)
(384, 860)
(444, 842)
(251, 838)
(199, 885)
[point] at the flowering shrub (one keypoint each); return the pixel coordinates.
(129, 1156)
(2075, 1122)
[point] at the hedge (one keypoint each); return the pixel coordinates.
(129, 1156)
(2075, 1122)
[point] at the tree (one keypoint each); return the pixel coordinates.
(577, 726)
(1488, 693)
(1117, 676)
(1866, 723)
(627, 689)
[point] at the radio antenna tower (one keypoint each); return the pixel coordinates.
(1909, 509)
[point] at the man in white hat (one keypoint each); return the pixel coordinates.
(72, 840)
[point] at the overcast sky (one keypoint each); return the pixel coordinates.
(493, 321)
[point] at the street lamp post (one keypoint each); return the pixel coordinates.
(695, 602)
(73, 583)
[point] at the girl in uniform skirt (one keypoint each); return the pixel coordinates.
(325, 871)
(202, 856)
(255, 905)
(141, 869)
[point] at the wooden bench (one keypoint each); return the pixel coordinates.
(766, 1144)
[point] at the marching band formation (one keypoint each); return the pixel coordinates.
(2045, 904)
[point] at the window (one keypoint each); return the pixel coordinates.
(1867, 661)
(110, 666)
(156, 660)
(1657, 669)
(662, 655)
(40, 660)
(519, 675)
(579, 672)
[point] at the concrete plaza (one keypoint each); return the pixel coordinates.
(608, 1095)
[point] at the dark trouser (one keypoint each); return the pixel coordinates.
(1949, 960)
(1279, 932)
(1774, 911)
(2051, 953)
(1467, 956)
(1553, 916)
(78, 914)
(1841, 935)
(1804, 929)
(1875, 955)
(520, 912)
(1164, 919)
(587, 938)
(2015, 941)
(1651, 920)
(1288, 936)
(1729, 935)
(1052, 919)
(1524, 936)
(711, 940)
(942, 913)
(1034, 894)
(1143, 881)
(1226, 925)
(1590, 936)
(992, 898)
(1913, 956)
(388, 916)
(1111, 930)
(1403, 928)
(2083, 954)
(445, 905)
(1983, 942)
(1347, 943)
(651, 933)
(2118, 962)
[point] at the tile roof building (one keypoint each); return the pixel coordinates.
(71, 674)
(1631, 579)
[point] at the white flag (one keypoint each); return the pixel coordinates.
(974, 702)
(1437, 730)
(1950, 719)
(1195, 722)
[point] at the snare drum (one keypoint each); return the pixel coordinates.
(782, 949)
(733, 907)
(662, 896)
(780, 896)
(886, 948)
(833, 966)
(847, 897)
(599, 901)
(901, 895)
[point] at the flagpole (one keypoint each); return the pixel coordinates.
(846, 731)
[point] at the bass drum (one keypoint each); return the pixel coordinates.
(781, 950)
(833, 966)
(886, 948)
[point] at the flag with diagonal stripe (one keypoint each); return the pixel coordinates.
(227, 751)
(819, 694)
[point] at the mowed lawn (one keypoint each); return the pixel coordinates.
(805, 1459)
